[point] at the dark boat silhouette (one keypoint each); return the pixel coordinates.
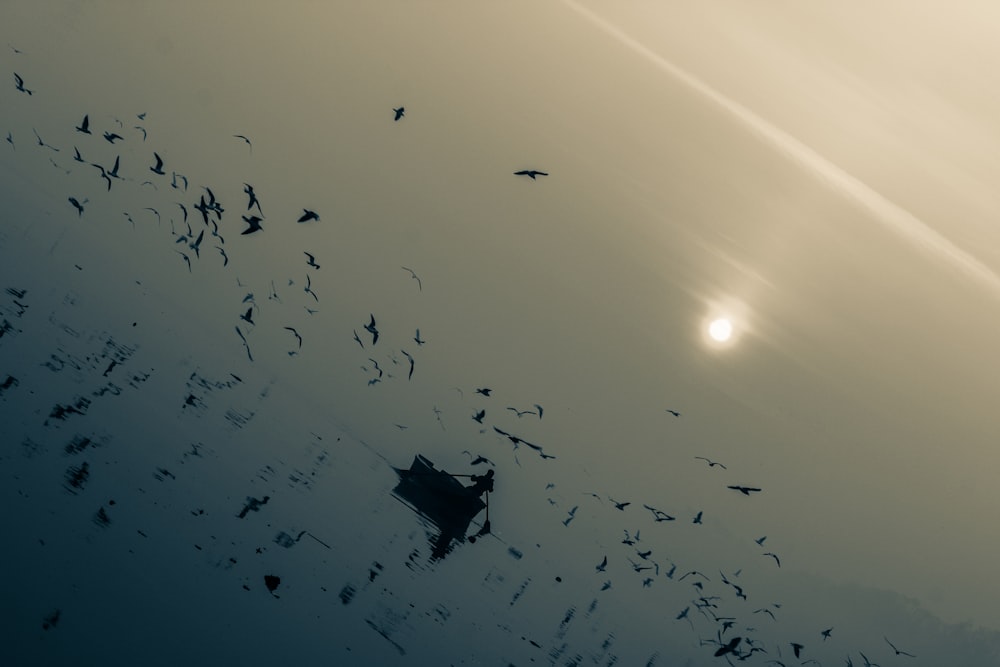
(441, 499)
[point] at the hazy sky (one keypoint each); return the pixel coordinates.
(821, 174)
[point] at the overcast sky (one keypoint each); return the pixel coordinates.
(822, 175)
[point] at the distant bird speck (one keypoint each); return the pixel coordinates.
(530, 173)
(399, 111)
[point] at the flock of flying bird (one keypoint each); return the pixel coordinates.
(707, 599)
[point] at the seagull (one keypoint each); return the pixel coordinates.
(619, 506)
(370, 328)
(479, 416)
(42, 143)
(775, 557)
(248, 316)
(796, 648)
(78, 205)
(711, 464)
(530, 173)
(243, 338)
(308, 215)
(674, 412)
(247, 188)
(417, 338)
(569, 518)
(312, 261)
(603, 565)
(188, 261)
(155, 212)
(399, 112)
(158, 167)
(407, 355)
(729, 648)
(485, 391)
(868, 663)
(296, 334)
(19, 83)
(240, 136)
(745, 490)
(521, 413)
(173, 180)
(113, 173)
(10, 140)
(112, 137)
(826, 633)
(420, 286)
(225, 257)
(196, 246)
(358, 339)
(141, 129)
(697, 518)
(308, 290)
(658, 514)
(104, 174)
(84, 126)
(540, 410)
(760, 540)
(76, 155)
(252, 220)
(893, 647)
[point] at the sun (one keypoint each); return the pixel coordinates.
(720, 330)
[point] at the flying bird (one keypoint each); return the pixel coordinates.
(252, 220)
(187, 260)
(603, 565)
(248, 316)
(141, 129)
(697, 518)
(225, 257)
(659, 515)
(826, 633)
(729, 648)
(311, 261)
(78, 205)
(42, 143)
(240, 136)
(893, 647)
(417, 339)
(308, 215)
(745, 490)
(530, 173)
(245, 344)
(711, 464)
(296, 334)
(76, 155)
(521, 413)
(420, 286)
(485, 391)
(479, 416)
(760, 540)
(619, 506)
(358, 339)
(775, 557)
(248, 189)
(399, 113)
(10, 140)
(797, 649)
(158, 167)
(112, 137)
(84, 125)
(371, 328)
(674, 412)
(173, 180)
(407, 355)
(308, 288)
(572, 513)
(19, 83)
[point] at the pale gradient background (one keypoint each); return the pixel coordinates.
(823, 173)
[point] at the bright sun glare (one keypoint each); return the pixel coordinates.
(720, 330)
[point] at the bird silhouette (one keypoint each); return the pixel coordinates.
(745, 490)
(659, 515)
(479, 416)
(775, 557)
(296, 334)
(225, 257)
(399, 113)
(10, 140)
(311, 261)
(112, 137)
(240, 136)
(420, 286)
(603, 565)
(485, 391)
(84, 125)
(521, 413)
(78, 205)
(760, 540)
(253, 221)
(42, 143)
(410, 359)
(729, 648)
(187, 260)
(158, 167)
(570, 516)
(893, 647)
(417, 338)
(530, 173)
(358, 339)
(308, 215)
(248, 316)
(245, 344)
(308, 289)
(697, 518)
(674, 412)
(141, 129)
(619, 506)
(711, 464)
(173, 180)
(76, 155)
(372, 329)
(19, 83)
